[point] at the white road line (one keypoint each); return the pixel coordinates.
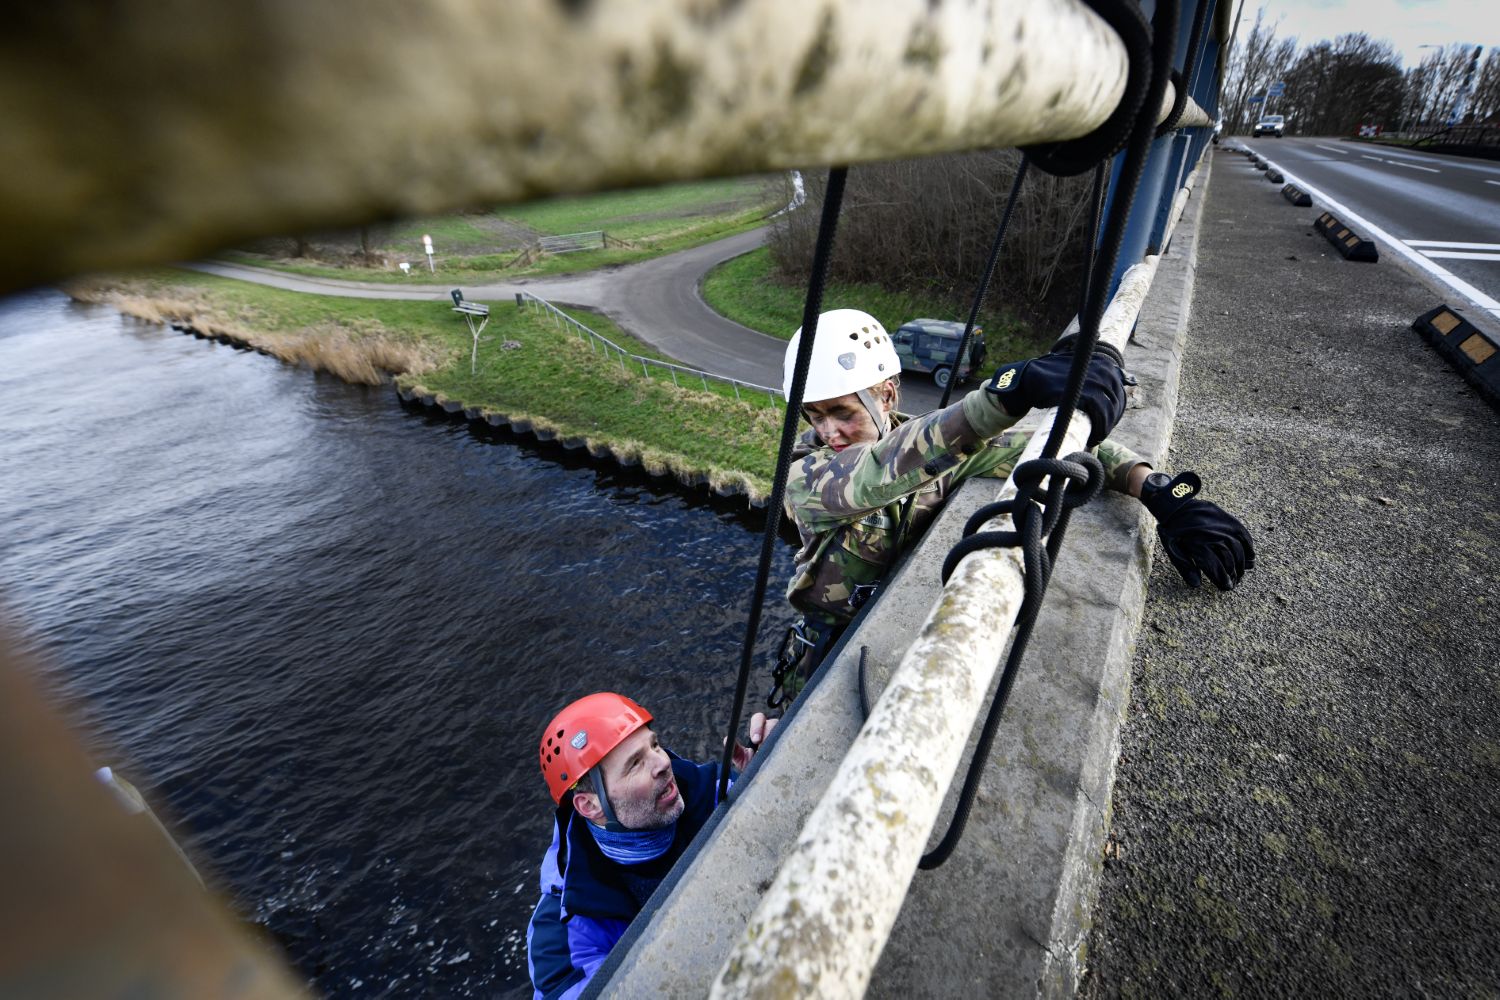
(1334, 149)
(1496, 183)
(1459, 255)
(1453, 246)
(1414, 166)
(1375, 158)
(1437, 271)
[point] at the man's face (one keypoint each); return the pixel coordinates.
(638, 778)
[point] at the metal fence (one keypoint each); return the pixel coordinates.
(572, 242)
(627, 360)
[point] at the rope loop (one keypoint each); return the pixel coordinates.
(1179, 104)
(1071, 483)
(1075, 156)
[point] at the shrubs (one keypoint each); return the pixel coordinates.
(927, 225)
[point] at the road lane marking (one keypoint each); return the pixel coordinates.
(1414, 166)
(1443, 275)
(1335, 149)
(1496, 183)
(1369, 157)
(1461, 255)
(1453, 246)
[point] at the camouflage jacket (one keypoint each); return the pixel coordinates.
(848, 506)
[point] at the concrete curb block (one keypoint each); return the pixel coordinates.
(1297, 196)
(1348, 244)
(1015, 898)
(603, 453)
(1274, 176)
(1473, 352)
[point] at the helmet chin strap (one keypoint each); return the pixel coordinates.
(611, 822)
(877, 412)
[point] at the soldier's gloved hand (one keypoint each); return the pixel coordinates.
(1040, 383)
(1199, 537)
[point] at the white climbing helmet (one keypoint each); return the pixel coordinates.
(851, 352)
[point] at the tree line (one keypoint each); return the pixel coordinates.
(1335, 87)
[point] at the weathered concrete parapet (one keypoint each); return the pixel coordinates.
(138, 134)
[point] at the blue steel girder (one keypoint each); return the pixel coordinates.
(1171, 157)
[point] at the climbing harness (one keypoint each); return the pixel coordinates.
(823, 250)
(1078, 478)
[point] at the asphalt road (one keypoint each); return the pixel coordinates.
(657, 301)
(1308, 790)
(1446, 208)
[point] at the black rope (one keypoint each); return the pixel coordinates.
(1096, 211)
(1030, 521)
(1188, 77)
(1065, 159)
(832, 198)
(984, 281)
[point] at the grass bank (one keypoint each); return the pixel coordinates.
(641, 224)
(529, 369)
(748, 290)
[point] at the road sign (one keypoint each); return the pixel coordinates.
(1257, 98)
(1277, 89)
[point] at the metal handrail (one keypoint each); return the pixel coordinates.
(820, 927)
(598, 340)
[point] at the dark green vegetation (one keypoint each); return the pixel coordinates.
(501, 244)
(749, 290)
(550, 377)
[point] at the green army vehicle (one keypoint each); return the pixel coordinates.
(931, 345)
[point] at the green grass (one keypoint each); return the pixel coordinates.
(654, 221)
(582, 392)
(748, 290)
(644, 212)
(554, 379)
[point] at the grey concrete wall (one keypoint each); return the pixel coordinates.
(1008, 914)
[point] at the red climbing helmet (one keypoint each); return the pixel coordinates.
(581, 734)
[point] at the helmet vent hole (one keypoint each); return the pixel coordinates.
(559, 734)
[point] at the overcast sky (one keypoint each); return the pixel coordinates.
(1406, 24)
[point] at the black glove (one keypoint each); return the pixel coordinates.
(1040, 382)
(1198, 536)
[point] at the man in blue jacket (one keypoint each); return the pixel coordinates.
(627, 809)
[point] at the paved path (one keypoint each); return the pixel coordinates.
(1309, 780)
(656, 300)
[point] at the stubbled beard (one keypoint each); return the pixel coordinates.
(645, 816)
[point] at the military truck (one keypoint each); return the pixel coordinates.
(931, 345)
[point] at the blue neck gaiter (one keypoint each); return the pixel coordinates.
(632, 847)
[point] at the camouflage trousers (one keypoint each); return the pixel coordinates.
(807, 642)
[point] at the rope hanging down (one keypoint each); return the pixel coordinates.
(984, 281)
(822, 252)
(1062, 496)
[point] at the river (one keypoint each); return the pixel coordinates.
(323, 632)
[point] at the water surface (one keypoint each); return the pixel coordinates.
(324, 632)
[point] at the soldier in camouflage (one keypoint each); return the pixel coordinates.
(865, 482)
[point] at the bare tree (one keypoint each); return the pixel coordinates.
(1261, 61)
(1484, 102)
(926, 225)
(1335, 87)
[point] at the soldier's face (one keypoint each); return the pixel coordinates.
(843, 421)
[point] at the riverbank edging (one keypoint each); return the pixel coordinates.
(599, 449)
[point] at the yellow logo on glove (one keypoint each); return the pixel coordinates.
(1181, 490)
(1006, 379)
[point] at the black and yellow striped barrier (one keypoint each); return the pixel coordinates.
(1350, 245)
(1473, 352)
(1297, 196)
